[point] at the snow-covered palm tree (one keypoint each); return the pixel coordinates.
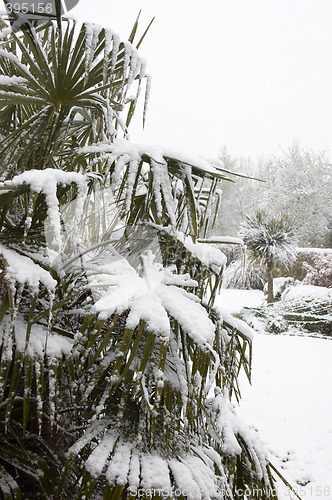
(110, 346)
(270, 240)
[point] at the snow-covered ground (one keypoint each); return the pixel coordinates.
(290, 403)
(234, 300)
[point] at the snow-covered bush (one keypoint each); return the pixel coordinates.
(109, 342)
(304, 258)
(301, 309)
(302, 292)
(319, 271)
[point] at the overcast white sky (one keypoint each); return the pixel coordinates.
(252, 75)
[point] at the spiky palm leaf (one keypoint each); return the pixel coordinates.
(60, 85)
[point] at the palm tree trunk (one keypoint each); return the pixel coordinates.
(270, 297)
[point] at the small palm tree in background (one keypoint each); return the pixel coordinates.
(117, 373)
(270, 241)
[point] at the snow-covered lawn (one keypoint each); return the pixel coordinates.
(234, 300)
(290, 402)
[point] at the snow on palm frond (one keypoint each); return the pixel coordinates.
(46, 183)
(22, 270)
(189, 473)
(198, 166)
(172, 180)
(142, 471)
(150, 297)
(208, 255)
